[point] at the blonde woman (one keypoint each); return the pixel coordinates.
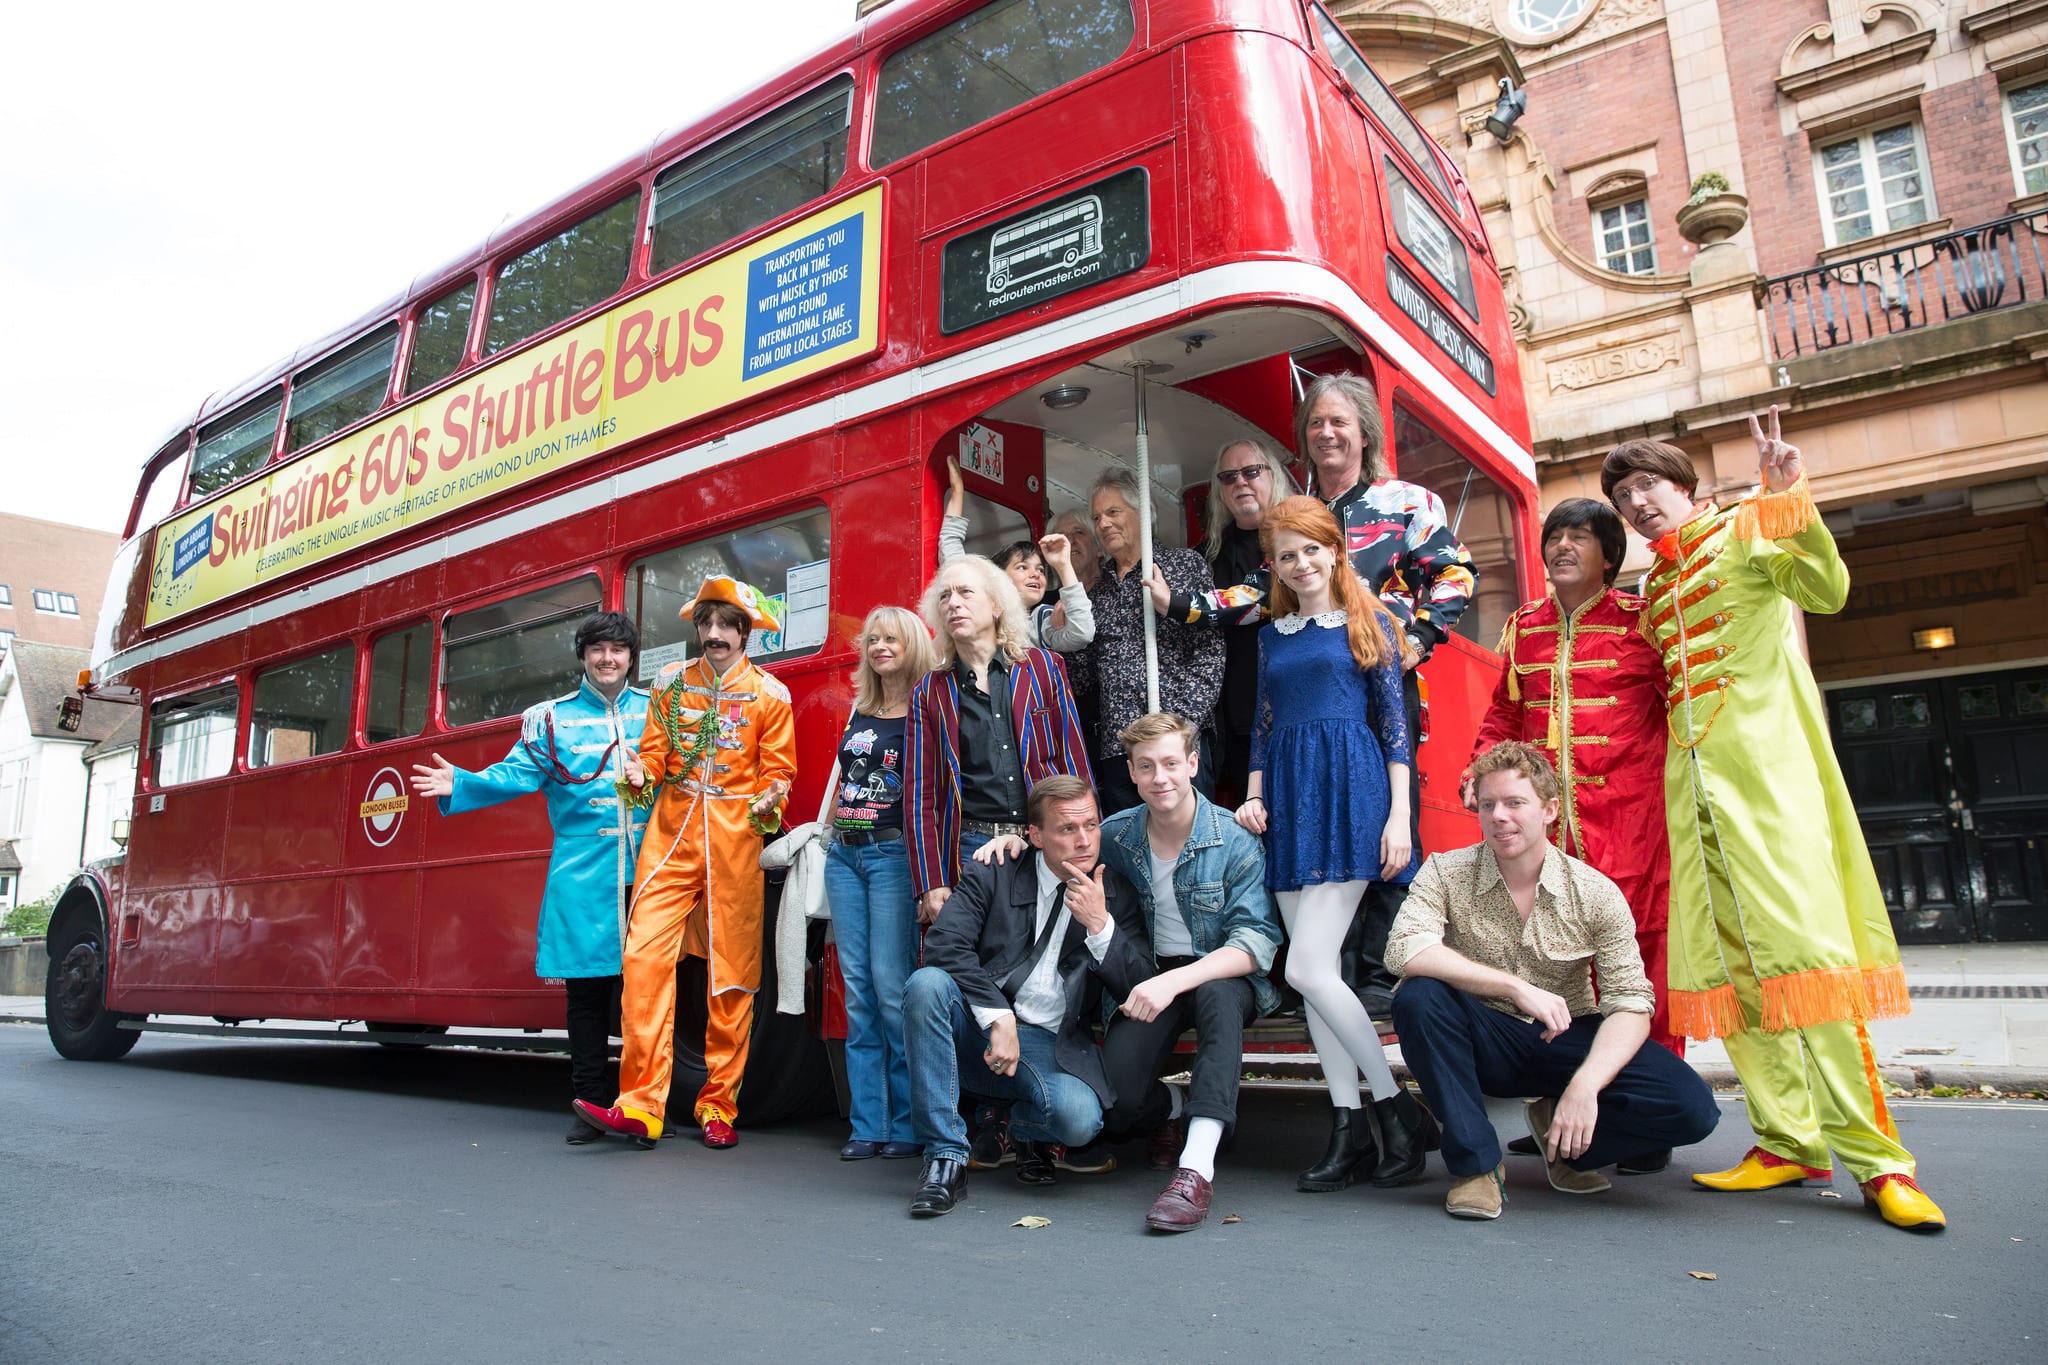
(867, 882)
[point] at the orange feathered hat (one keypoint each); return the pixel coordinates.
(724, 588)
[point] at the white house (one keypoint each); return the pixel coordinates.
(43, 773)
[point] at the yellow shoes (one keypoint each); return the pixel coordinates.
(1900, 1202)
(1758, 1170)
(637, 1125)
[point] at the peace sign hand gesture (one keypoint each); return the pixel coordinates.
(1779, 463)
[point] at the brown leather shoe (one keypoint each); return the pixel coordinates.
(1162, 1149)
(1182, 1205)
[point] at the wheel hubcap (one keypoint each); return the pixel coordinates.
(78, 984)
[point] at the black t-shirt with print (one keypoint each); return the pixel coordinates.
(870, 774)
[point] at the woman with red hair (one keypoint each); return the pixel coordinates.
(1329, 761)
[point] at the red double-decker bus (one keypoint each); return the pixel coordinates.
(750, 349)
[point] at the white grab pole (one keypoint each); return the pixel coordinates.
(1144, 511)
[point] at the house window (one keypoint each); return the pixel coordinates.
(2026, 123)
(1873, 183)
(6, 596)
(1622, 233)
(67, 605)
(52, 603)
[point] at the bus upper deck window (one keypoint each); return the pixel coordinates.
(193, 737)
(1400, 124)
(340, 390)
(440, 337)
(576, 268)
(777, 163)
(398, 684)
(994, 59)
(236, 444)
(502, 658)
(301, 709)
(160, 493)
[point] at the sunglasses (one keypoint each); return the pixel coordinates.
(1244, 475)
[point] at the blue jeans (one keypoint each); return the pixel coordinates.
(874, 922)
(945, 1047)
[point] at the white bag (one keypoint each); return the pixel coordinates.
(802, 851)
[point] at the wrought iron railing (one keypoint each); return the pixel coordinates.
(1994, 265)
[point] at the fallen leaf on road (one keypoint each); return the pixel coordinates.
(1234, 1218)
(1032, 1220)
(1703, 1274)
(1829, 1194)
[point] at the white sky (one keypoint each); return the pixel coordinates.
(190, 192)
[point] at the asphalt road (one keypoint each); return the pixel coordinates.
(220, 1201)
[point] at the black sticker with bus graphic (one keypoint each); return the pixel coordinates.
(1085, 236)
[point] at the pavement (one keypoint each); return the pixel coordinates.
(1980, 1018)
(223, 1200)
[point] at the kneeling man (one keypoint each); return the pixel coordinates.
(1202, 880)
(1493, 947)
(1016, 969)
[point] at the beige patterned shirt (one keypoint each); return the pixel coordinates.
(1579, 921)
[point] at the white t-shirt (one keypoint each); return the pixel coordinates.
(1170, 936)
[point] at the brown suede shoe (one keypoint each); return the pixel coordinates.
(1564, 1177)
(1182, 1205)
(1477, 1196)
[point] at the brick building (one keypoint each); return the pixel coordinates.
(51, 580)
(1873, 259)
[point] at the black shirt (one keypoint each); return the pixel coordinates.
(991, 770)
(1239, 560)
(871, 774)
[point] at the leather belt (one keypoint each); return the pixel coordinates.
(861, 838)
(994, 829)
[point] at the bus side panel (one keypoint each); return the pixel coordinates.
(1459, 677)
(1251, 110)
(403, 597)
(316, 624)
(276, 936)
(377, 922)
(284, 820)
(481, 884)
(166, 938)
(559, 547)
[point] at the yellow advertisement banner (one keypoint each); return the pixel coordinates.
(773, 312)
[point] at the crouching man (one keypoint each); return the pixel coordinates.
(1493, 946)
(1202, 880)
(1016, 969)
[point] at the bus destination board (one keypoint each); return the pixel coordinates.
(777, 310)
(1083, 237)
(1412, 299)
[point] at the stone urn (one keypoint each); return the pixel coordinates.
(1712, 219)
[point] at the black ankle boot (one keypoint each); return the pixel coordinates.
(1351, 1146)
(1407, 1132)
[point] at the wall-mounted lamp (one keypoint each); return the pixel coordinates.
(1511, 105)
(1935, 637)
(1064, 397)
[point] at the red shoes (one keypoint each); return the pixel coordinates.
(641, 1127)
(718, 1132)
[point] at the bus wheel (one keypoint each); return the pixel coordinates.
(81, 1026)
(425, 1031)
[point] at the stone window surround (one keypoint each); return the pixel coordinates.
(1873, 186)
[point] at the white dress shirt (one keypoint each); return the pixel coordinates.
(1042, 1000)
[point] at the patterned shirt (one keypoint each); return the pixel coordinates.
(1401, 543)
(1579, 921)
(1190, 657)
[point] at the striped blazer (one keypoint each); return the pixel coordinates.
(1048, 739)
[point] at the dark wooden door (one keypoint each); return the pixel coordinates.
(1950, 780)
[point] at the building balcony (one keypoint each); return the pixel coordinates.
(1911, 287)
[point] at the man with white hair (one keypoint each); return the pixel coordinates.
(1190, 656)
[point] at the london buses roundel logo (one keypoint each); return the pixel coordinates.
(384, 805)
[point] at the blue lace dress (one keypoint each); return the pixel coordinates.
(1323, 735)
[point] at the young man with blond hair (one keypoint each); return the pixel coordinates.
(1202, 881)
(1493, 946)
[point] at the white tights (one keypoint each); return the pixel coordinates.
(1317, 918)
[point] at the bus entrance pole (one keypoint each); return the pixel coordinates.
(1138, 372)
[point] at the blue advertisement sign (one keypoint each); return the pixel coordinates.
(803, 297)
(192, 547)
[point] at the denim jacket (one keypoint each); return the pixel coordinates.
(1219, 882)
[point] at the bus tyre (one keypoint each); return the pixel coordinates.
(81, 1026)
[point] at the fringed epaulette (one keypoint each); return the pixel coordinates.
(1774, 516)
